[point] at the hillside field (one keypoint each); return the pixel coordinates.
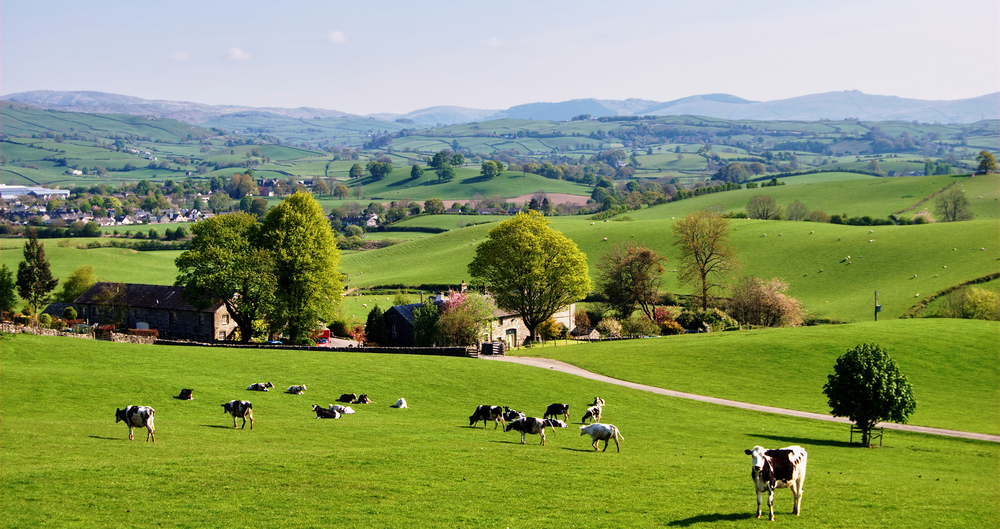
(681, 462)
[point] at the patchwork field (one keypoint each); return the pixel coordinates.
(681, 463)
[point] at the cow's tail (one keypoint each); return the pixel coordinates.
(618, 434)
(152, 412)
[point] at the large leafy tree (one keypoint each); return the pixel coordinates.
(867, 387)
(82, 278)
(530, 269)
(629, 277)
(226, 264)
(987, 163)
(707, 255)
(34, 278)
(8, 288)
(306, 257)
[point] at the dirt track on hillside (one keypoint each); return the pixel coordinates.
(563, 367)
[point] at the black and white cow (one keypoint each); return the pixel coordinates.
(554, 423)
(556, 410)
(598, 401)
(487, 413)
(349, 398)
(778, 469)
(260, 386)
(511, 415)
(185, 395)
(239, 408)
(325, 413)
(296, 390)
(343, 410)
(603, 432)
(532, 425)
(137, 417)
(593, 414)
(363, 399)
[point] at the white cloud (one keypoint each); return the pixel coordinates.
(336, 37)
(494, 42)
(180, 56)
(237, 54)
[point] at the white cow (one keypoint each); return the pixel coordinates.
(603, 432)
(296, 390)
(401, 403)
(778, 469)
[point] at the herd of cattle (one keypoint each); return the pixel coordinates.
(516, 421)
(771, 469)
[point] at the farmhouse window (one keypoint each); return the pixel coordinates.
(222, 335)
(201, 319)
(225, 319)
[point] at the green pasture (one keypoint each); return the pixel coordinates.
(681, 462)
(952, 365)
(902, 264)
(467, 183)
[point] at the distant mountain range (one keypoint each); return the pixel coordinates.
(830, 105)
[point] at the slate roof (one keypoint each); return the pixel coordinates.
(406, 311)
(137, 295)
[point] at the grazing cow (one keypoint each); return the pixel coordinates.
(325, 413)
(554, 423)
(603, 432)
(598, 401)
(556, 410)
(239, 408)
(778, 469)
(296, 390)
(260, 386)
(348, 398)
(487, 413)
(593, 413)
(186, 394)
(511, 415)
(137, 417)
(532, 425)
(401, 403)
(343, 410)
(363, 399)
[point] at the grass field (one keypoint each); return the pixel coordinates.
(681, 463)
(952, 365)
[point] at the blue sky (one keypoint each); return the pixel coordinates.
(397, 56)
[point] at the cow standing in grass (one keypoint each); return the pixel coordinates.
(137, 417)
(778, 469)
(239, 408)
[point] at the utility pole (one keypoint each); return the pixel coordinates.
(878, 308)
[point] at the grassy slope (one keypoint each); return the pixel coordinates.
(681, 462)
(952, 365)
(110, 264)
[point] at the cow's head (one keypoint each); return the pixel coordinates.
(268, 385)
(514, 425)
(119, 415)
(758, 458)
(227, 407)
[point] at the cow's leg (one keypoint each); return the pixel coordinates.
(770, 504)
(595, 444)
(251, 420)
(542, 435)
(522, 437)
(797, 490)
(617, 446)
(759, 500)
(129, 433)
(606, 441)
(149, 433)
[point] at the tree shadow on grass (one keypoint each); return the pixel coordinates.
(711, 518)
(403, 183)
(805, 441)
(474, 180)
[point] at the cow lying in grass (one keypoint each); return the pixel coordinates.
(296, 390)
(554, 423)
(363, 399)
(137, 417)
(325, 413)
(239, 408)
(511, 415)
(348, 398)
(260, 386)
(602, 432)
(401, 403)
(532, 425)
(185, 395)
(343, 410)
(487, 413)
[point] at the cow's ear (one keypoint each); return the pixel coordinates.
(748, 452)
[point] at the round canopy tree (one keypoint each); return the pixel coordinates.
(530, 269)
(867, 388)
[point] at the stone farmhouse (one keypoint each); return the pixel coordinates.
(159, 307)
